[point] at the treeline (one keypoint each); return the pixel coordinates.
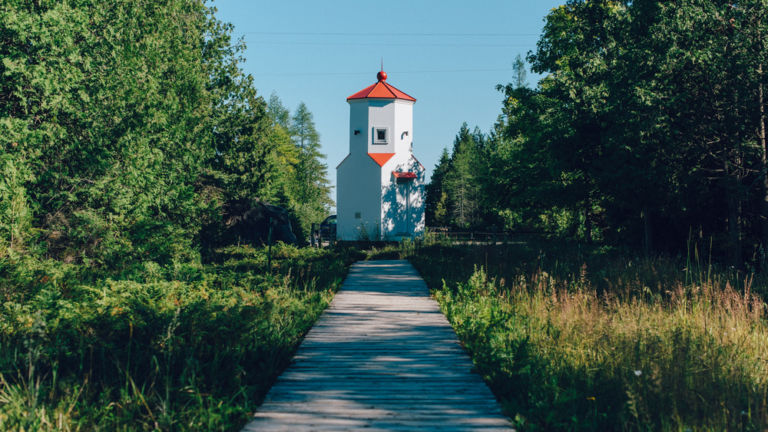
(127, 129)
(649, 127)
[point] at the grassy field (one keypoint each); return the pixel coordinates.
(571, 337)
(176, 348)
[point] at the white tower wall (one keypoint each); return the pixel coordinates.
(395, 116)
(381, 115)
(403, 126)
(358, 122)
(402, 204)
(358, 198)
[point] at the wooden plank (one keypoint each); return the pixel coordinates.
(381, 358)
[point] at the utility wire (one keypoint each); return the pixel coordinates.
(398, 34)
(392, 72)
(385, 44)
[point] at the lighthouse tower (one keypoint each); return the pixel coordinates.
(380, 184)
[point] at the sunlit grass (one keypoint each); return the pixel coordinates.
(575, 338)
(184, 348)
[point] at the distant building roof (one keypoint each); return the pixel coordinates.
(381, 90)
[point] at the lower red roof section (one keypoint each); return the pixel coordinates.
(404, 175)
(381, 158)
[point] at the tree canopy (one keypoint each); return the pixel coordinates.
(647, 127)
(126, 130)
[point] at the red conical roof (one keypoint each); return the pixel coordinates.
(381, 90)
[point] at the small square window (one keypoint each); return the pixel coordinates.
(380, 136)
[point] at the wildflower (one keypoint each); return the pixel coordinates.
(638, 372)
(590, 398)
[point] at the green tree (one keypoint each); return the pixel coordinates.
(647, 125)
(279, 114)
(461, 183)
(435, 203)
(132, 126)
(519, 73)
(111, 107)
(310, 190)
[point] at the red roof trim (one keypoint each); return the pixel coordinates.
(362, 94)
(404, 175)
(417, 161)
(381, 158)
(398, 94)
(381, 90)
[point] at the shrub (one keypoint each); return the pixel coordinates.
(587, 339)
(174, 347)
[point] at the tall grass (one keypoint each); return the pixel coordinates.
(159, 348)
(577, 338)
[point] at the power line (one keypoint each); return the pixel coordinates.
(391, 72)
(409, 44)
(398, 34)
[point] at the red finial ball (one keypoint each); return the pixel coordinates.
(381, 76)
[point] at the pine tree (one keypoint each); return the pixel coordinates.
(519, 74)
(435, 204)
(462, 181)
(311, 190)
(276, 111)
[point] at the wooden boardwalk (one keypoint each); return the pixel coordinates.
(382, 357)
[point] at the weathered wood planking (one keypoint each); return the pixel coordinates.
(381, 358)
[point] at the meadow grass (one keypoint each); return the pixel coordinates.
(572, 337)
(181, 347)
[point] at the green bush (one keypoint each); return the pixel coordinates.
(581, 338)
(172, 347)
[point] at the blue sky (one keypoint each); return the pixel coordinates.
(447, 54)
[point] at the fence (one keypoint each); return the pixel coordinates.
(322, 238)
(478, 237)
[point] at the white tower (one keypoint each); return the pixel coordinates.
(380, 184)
